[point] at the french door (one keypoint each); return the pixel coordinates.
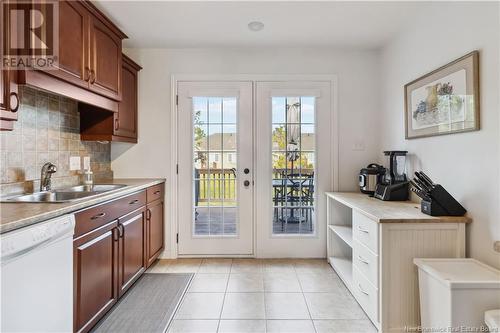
(215, 163)
(254, 158)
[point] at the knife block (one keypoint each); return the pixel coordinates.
(441, 203)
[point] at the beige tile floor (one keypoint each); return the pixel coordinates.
(275, 295)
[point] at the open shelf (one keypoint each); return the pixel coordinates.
(344, 233)
(343, 267)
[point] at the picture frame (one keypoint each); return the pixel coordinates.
(444, 101)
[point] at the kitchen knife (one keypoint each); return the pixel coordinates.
(424, 181)
(417, 186)
(429, 180)
(422, 185)
(419, 193)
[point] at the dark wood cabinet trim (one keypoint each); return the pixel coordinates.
(103, 18)
(42, 81)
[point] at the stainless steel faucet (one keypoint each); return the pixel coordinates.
(45, 181)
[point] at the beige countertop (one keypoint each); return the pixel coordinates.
(16, 215)
(391, 211)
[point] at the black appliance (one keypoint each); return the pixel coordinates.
(395, 185)
(436, 201)
(370, 177)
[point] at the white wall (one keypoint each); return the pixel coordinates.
(357, 101)
(466, 164)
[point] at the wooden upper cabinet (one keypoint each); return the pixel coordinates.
(9, 98)
(96, 124)
(89, 59)
(125, 122)
(105, 60)
(73, 58)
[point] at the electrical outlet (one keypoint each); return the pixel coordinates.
(86, 163)
(496, 246)
(75, 163)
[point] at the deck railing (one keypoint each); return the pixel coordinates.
(220, 184)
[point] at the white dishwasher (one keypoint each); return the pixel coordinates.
(36, 272)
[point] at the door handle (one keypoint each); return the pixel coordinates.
(116, 124)
(121, 230)
(246, 183)
(246, 171)
(148, 214)
(92, 76)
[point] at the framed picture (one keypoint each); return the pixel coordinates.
(444, 101)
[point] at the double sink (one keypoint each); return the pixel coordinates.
(65, 194)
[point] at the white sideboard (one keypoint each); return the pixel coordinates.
(371, 245)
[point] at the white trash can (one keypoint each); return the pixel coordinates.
(455, 293)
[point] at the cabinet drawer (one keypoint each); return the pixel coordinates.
(96, 216)
(365, 231)
(155, 192)
(366, 294)
(365, 261)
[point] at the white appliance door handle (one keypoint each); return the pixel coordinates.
(11, 256)
(363, 230)
(361, 289)
(363, 260)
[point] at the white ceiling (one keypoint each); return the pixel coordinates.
(360, 25)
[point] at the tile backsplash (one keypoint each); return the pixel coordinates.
(48, 130)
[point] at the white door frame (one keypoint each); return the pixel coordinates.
(173, 184)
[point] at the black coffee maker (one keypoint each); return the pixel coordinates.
(395, 185)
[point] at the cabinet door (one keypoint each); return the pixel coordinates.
(126, 118)
(74, 54)
(95, 262)
(132, 249)
(9, 98)
(105, 60)
(154, 229)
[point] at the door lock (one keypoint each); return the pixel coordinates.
(246, 183)
(246, 171)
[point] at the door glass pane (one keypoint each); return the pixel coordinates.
(215, 163)
(293, 164)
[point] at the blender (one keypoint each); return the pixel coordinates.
(395, 185)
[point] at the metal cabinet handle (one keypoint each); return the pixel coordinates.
(133, 202)
(98, 216)
(361, 289)
(86, 75)
(148, 214)
(117, 123)
(92, 76)
(363, 260)
(121, 230)
(14, 94)
(363, 230)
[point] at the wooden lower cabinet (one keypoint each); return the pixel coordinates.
(154, 231)
(110, 256)
(132, 258)
(95, 260)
